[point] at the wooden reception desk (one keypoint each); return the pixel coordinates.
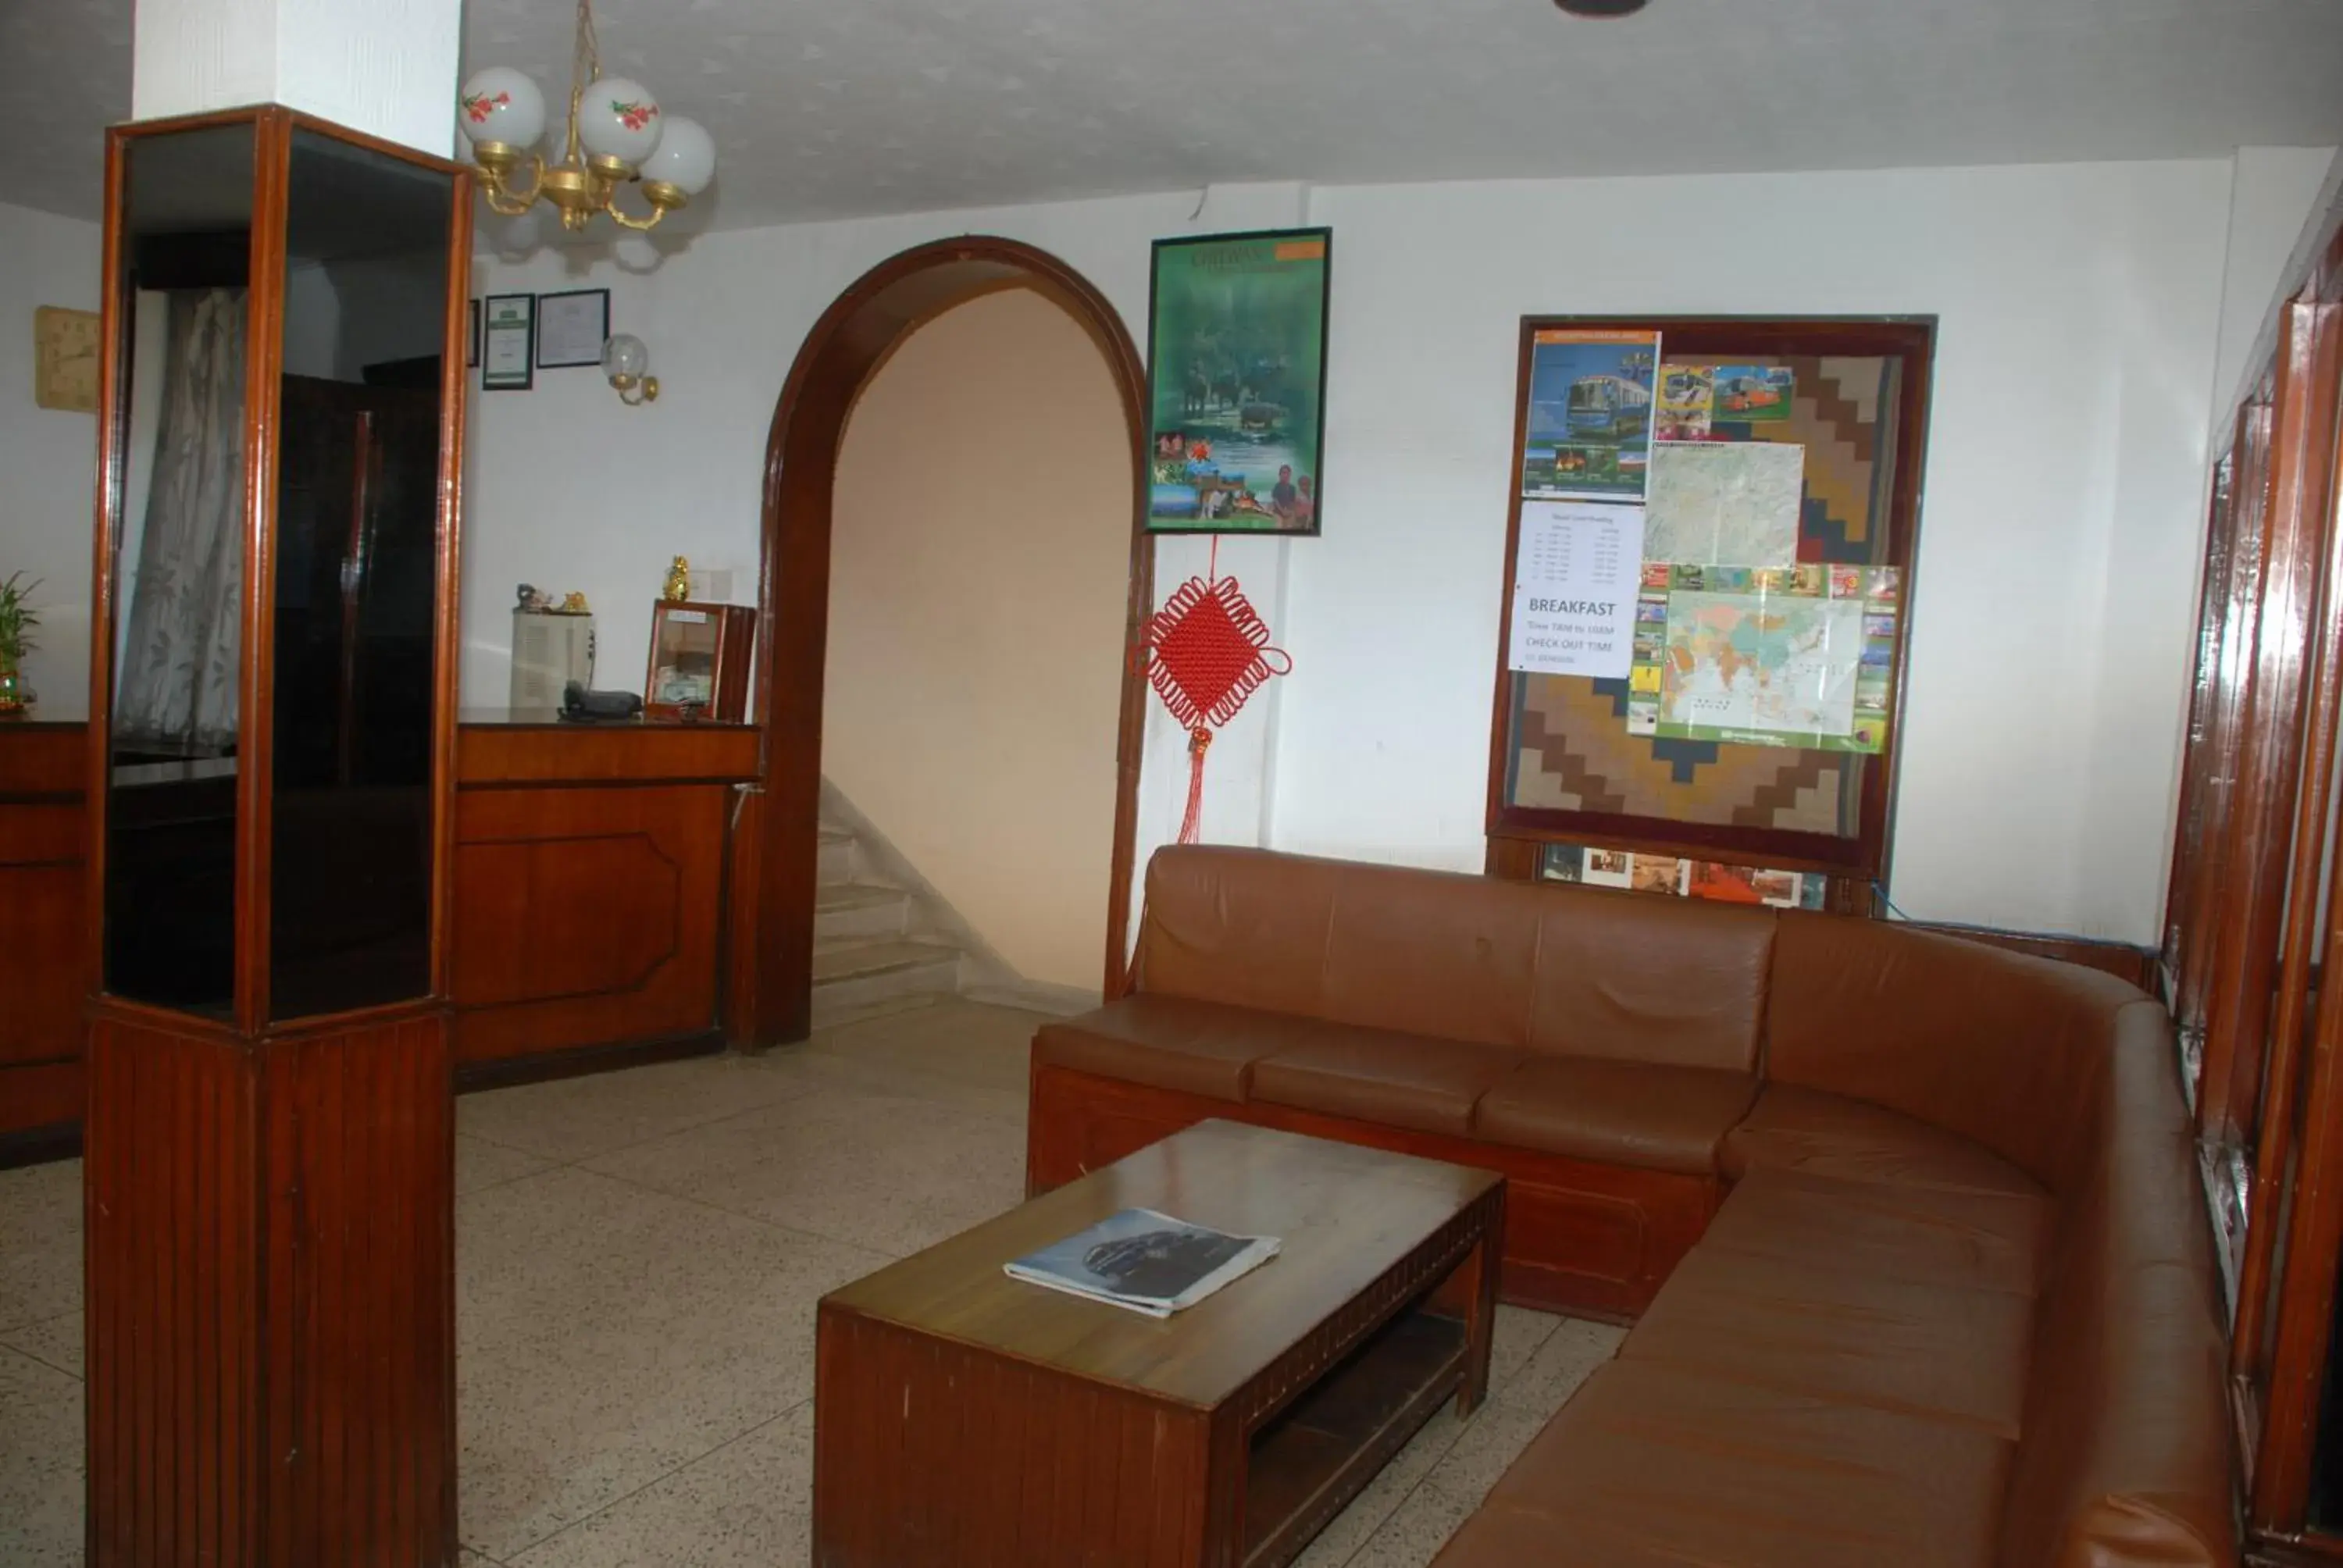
(588, 902)
(44, 835)
(589, 884)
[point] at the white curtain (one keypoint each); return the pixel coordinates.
(176, 689)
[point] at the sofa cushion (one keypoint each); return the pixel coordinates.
(1171, 1042)
(1815, 1327)
(1915, 1235)
(1827, 1134)
(1628, 976)
(1384, 1076)
(1617, 1113)
(1657, 1466)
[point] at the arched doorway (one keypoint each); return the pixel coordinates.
(773, 868)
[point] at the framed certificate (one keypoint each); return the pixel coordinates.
(571, 327)
(509, 343)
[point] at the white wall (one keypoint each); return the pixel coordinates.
(2080, 315)
(47, 456)
(980, 555)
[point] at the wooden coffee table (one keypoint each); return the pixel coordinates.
(963, 1417)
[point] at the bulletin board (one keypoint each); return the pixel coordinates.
(1754, 484)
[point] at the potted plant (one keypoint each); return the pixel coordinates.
(18, 620)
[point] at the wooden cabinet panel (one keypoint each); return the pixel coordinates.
(44, 840)
(521, 752)
(585, 916)
(271, 1324)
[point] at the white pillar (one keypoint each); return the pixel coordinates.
(387, 67)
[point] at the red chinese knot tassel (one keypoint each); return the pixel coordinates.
(1206, 652)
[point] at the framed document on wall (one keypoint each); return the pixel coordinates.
(571, 327)
(509, 343)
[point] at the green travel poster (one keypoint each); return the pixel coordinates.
(1236, 357)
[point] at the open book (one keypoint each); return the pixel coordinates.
(1145, 1261)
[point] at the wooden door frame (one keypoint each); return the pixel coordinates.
(769, 968)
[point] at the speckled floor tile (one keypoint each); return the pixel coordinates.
(40, 1464)
(1569, 1355)
(607, 1335)
(1521, 1333)
(573, 1118)
(1484, 1450)
(966, 1042)
(40, 1243)
(1415, 1534)
(749, 1504)
(480, 1163)
(1355, 1525)
(53, 1341)
(873, 1171)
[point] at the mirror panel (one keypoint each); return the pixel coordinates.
(180, 516)
(356, 582)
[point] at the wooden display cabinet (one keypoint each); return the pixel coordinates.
(269, 1143)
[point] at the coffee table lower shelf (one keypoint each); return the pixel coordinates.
(1320, 1451)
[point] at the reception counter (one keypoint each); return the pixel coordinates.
(588, 885)
(44, 835)
(587, 897)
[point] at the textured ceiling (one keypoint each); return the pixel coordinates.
(830, 108)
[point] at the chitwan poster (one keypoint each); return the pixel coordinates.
(1587, 434)
(1236, 356)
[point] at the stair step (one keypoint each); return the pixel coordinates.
(834, 861)
(846, 911)
(853, 979)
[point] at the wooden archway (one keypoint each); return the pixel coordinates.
(775, 846)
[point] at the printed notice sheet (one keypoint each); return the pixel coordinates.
(1574, 581)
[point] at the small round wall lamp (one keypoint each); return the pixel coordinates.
(627, 362)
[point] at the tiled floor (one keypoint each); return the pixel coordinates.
(637, 1258)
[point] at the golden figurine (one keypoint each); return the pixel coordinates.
(679, 581)
(574, 604)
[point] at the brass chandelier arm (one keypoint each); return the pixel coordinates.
(496, 187)
(619, 216)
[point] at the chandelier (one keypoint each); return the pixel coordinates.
(618, 136)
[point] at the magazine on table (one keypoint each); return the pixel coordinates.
(1147, 1262)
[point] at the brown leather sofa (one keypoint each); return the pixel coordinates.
(1910, 1227)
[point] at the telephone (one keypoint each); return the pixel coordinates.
(580, 706)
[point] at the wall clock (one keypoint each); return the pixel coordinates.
(64, 358)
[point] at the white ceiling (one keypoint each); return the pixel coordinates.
(825, 108)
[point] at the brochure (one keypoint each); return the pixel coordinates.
(1147, 1262)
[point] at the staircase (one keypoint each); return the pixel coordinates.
(874, 951)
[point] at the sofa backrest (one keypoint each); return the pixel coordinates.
(2124, 1457)
(1549, 967)
(2005, 1048)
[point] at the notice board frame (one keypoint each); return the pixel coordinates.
(1855, 865)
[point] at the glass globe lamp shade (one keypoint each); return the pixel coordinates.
(624, 356)
(685, 157)
(499, 106)
(618, 118)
